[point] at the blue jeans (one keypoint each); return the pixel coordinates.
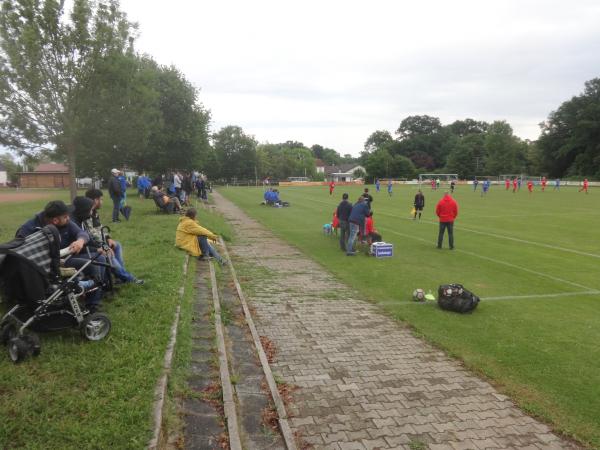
(446, 226)
(207, 249)
(119, 264)
(354, 229)
(93, 271)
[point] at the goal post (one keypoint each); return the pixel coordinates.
(444, 178)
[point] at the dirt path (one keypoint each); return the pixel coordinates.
(363, 380)
(19, 196)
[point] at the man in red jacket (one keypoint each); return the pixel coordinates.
(446, 210)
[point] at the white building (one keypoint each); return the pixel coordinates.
(3, 175)
(343, 172)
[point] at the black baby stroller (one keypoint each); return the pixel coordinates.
(39, 298)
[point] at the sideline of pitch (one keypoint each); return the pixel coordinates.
(484, 233)
(506, 297)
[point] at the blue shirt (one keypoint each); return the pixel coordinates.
(68, 234)
(359, 213)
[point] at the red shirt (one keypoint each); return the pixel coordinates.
(447, 209)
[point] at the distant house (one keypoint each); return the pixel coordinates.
(343, 172)
(320, 166)
(46, 175)
(3, 175)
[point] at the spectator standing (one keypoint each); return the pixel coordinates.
(356, 220)
(446, 210)
(177, 183)
(115, 192)
(343, 214)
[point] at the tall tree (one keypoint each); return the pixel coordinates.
(377, 139)
(47, 60)
(570, 140)
(235, 153)
(418, 125)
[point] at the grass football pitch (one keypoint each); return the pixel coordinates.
(534, 259)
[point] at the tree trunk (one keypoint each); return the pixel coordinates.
(72, 169)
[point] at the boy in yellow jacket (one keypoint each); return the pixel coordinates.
(193, 238)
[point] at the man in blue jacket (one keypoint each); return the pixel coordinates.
(360, 211)
(57, 213)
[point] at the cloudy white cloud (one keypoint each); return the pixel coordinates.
(331, 72)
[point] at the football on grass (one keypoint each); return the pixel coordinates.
(419, 295)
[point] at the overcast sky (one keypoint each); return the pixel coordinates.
(332, 72)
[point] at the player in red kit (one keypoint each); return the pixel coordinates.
(585, 186)
(530, 186)
(515, 185)
(507, 184)
(331, 187)
(543, 184)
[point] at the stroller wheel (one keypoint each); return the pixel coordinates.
(7, 332)
(33, 341)
(96, 327)
(17, 349)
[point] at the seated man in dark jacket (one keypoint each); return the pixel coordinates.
(81, 215)
(71, 236)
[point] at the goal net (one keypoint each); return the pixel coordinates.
(435, 179)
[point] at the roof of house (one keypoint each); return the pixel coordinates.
(51, 167)
(319, 163)
(342, 168)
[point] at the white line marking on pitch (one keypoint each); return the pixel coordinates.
(497, 261)
(507, 297)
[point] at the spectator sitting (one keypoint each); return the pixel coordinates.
(164, 202)
(71, 236)
(370, 231)
(93, 226)
(272, 198)
(193, 238)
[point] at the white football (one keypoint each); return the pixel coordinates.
(418, 295)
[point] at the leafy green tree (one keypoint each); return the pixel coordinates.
(402, 167)
(379, 164)
(235, 153)
(377, 139)
(570, 139)
(123, 114)
(47, 60)
(359, 173)
(505, 153)
(12, 167)
(465, 127)
(181, 140)
(418, 125)
(328, 155)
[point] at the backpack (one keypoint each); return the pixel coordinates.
(454, 297)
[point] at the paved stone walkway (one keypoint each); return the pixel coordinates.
(364, 381)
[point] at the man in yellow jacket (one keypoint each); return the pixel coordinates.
(193, 238)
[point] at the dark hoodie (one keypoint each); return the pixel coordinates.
(81, 212)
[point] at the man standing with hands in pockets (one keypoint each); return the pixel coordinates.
(446, 210)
